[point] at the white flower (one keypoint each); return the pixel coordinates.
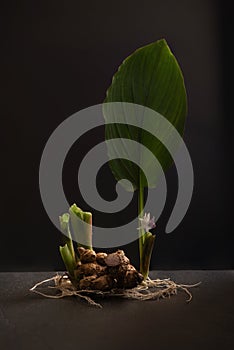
(146, 223)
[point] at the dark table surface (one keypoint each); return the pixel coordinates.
(29, 321)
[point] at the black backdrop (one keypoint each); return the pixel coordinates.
(57, 58)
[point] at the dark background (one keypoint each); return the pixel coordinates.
(59, 57)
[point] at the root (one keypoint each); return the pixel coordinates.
(147, 290)
(63, 285)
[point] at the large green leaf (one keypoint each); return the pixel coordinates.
(150, 77)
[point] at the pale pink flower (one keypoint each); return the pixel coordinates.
(147, 223)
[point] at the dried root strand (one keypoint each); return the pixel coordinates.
(63, 285)
(147, 290)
